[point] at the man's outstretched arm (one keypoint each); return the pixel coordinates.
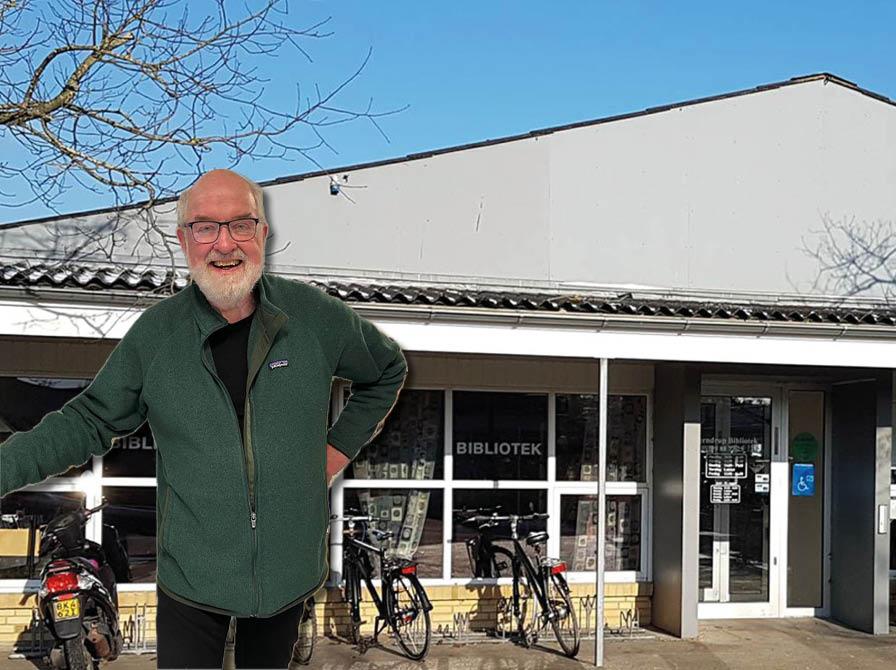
(85, 425)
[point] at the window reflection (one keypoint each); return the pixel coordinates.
(578, 532)
(578, 437)
(500, 435)
(414, 516)
(519, 501)
(25, 400)
(132, 456)
(129, 532)
(411, 444)
(21, 514)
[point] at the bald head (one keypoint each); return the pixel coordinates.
(210, 187)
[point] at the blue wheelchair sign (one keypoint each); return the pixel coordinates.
(803, 481)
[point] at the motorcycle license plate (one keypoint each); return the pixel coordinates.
(67, 609)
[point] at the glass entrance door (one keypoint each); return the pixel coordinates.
(737, 571)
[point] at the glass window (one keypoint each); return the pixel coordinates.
(578, 437)
(129, 532)
(735, 434)
(578, 532)
(893, 545)
(411, 444)
(25, 400)
(415, 518)
(500, 435)
(518, 501)
(132, 456)
(21, 512)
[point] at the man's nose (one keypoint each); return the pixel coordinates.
(225, 243)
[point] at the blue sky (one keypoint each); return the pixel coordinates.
(470, 71)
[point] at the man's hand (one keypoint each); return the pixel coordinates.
(336, 461)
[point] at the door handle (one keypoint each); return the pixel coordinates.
(776, 445)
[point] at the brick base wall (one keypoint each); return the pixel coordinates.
(464, 608)
(16, 615)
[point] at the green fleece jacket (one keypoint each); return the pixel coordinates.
(242, 527)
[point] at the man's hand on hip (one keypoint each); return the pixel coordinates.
(336, 461)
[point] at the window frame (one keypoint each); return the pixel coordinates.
(892, 522)
(51, 485)
(93, 493)
(447, 484)
(553, 488)
(642, 489)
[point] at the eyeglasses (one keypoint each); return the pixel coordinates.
(206, 232)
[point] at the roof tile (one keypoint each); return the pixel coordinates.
(25, 275)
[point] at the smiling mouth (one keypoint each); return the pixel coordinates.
(226, 265)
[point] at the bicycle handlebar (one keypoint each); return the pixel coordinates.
(94, 510)
(478, 518)
(476, 510)
(334, 517)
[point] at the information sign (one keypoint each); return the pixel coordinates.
(803, 482)
(726, 466)
(724, 493)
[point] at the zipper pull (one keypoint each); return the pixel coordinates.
(252, 519)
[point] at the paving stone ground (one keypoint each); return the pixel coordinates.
(790, 644)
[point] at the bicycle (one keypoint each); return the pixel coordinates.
(403, 605)
(540, 595)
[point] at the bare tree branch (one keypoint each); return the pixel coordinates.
(130, 96)
(131, 99)
(854, 257)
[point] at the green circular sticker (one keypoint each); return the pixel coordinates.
(804, 447)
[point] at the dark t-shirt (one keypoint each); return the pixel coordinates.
(229, 349)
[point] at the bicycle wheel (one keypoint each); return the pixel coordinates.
(409, 619)
(352, 598)
(563, 615)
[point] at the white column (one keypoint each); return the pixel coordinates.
(601, 517)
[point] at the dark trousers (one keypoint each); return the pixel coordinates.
(188, 637)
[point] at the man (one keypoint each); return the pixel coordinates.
(233, 374)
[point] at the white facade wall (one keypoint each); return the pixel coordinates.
(720, 195)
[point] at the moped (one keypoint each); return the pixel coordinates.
(78, 596)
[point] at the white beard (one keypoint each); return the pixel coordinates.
(226, 292)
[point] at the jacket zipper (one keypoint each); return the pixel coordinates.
(249, 471)
(253, 514)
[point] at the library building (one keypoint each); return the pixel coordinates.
(652, 282)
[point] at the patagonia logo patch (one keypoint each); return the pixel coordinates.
(273, 365)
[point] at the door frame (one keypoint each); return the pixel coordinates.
(825, 609)
(777, 510)
(776, 607)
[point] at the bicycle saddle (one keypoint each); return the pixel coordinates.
(538, 537)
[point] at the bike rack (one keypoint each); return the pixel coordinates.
(133, 621)
(460, 631)
(133, 630)
(36, 641)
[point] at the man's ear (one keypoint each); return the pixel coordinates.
(181, 238)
